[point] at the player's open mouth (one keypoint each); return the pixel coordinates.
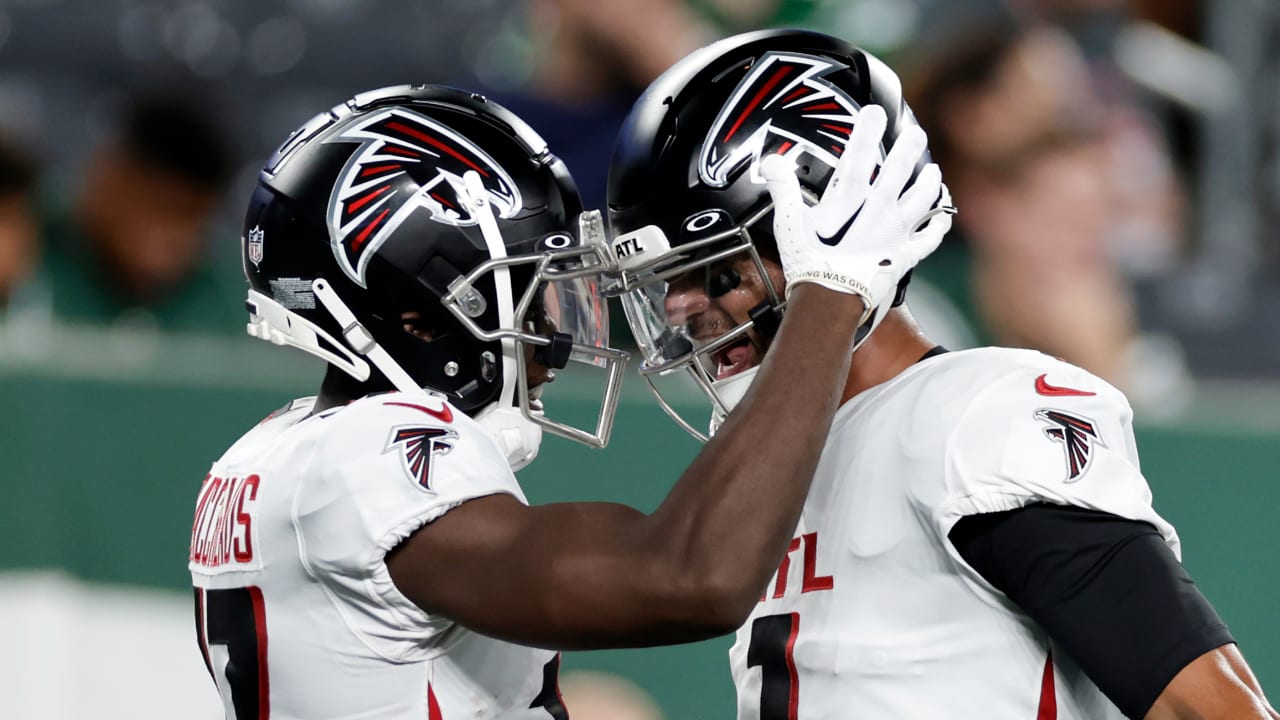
(739, 356)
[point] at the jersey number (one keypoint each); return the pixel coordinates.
(773, 638)
(232, 631)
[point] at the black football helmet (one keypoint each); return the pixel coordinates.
(433, 208)
(685, 191)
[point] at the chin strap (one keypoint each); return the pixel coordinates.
(361, 340)
(271, 321)
(731, 391)
(516, 435)
(766, 318)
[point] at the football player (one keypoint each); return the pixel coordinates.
(979, 541)
(368, 552)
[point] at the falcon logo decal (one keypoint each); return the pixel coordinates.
(1077, 436)
(406, 162)
(418, 446)
(782, 106)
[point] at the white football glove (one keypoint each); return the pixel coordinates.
(863, 235)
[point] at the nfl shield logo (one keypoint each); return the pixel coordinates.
(255, 245)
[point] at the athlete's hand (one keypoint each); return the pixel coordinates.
(864, 234)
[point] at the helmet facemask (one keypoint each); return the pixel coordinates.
(673, 360)
(686, 164)
(423, 238)
(559, 317)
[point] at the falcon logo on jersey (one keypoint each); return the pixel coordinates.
(406, 162)
(1077, 436)
(418, 446)
(782, 106)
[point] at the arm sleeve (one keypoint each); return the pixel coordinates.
(380, 472)
(1108, 590)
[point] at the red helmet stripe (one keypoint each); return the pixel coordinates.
(796, 94)
(375, 169)
(768, 86)
(354, 207)
(433, 142)
(396, 149)
(368, 229)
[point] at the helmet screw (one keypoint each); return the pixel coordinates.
(451, 368)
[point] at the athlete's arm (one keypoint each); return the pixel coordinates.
(1218, 684)
(592, 575)
(1111, 593)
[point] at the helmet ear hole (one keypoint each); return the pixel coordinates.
(425, 325)
(415, 325)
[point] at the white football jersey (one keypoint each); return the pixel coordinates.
(297, 615)
(873, 614)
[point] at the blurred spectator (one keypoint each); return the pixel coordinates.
(1147, 235)
(588, 62)
(591, 58)
(19, 232)
(592, 695)
(585, 64)
(1054, 187)
(132, 247)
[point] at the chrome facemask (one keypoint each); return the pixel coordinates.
(671, 359)
(568, 286)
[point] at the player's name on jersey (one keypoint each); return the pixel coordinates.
(223, 535)
(810, 580)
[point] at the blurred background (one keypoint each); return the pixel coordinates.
(1116, 164)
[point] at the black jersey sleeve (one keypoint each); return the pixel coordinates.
(1107, 590)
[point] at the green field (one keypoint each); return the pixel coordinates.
(105, 441)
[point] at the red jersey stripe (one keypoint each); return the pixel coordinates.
(1048, 694)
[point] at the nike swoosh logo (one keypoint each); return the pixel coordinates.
(1048, 390)
(835, 237)
(444, 414)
